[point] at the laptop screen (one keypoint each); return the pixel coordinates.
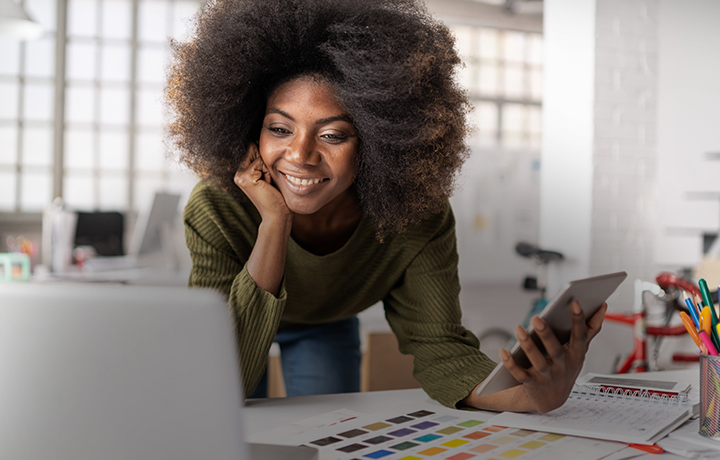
(117, 372)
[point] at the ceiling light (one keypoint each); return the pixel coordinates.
(15, 22)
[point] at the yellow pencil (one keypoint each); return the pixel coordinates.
(706, 321)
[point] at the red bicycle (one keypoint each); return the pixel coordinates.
(668, 290)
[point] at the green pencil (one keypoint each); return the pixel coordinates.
(705, 292)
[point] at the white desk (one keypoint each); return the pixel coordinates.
(145, 276)
(264, 414)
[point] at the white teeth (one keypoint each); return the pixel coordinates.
(298, 181)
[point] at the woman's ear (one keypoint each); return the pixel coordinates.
(252, 151)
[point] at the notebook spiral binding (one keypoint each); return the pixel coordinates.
(633, 396)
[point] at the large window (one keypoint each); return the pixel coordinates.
(27, 93)
(100, 146)
(503, 73)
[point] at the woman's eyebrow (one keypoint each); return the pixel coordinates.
(280, 112)
(344, 117)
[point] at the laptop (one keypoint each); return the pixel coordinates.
(121, 372)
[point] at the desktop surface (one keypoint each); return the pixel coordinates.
(267, 415)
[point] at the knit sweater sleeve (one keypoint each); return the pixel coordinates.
(424, 312)
(220, 235)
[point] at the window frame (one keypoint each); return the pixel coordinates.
(59, 125)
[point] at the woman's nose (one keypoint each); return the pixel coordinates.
(303, 150)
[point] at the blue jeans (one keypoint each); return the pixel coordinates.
(318, 359)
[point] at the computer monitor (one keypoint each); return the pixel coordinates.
(152, 229)
(103, 230)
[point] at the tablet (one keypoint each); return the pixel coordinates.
(590, 292)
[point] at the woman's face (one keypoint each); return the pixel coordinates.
(309, 144)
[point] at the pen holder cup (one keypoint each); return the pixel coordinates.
(710, 396)
(14, 266)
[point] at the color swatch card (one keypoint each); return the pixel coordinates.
(426, 431)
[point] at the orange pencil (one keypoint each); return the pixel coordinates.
(691, 329)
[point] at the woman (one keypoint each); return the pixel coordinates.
(328, 135)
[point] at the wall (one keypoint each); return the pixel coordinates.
(625, 157)
(625, 143)
(496, 205)
(688, 121)
(567, 149)
(600, 133)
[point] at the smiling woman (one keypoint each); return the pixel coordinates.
(328, 134)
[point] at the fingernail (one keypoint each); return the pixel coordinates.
(538, 324)
(576, 308)
(521, 334)
(504, 355)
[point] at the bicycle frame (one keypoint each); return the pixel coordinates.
(637, 361)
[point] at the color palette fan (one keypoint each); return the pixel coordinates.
(427, 432)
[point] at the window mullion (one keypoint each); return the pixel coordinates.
(132, 122)
(20, 125)
(98, 84)
(60, 87)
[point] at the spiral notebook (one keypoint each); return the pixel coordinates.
(614, 415)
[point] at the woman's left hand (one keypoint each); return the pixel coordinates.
(547, 384)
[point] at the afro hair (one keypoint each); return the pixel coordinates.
(392, 66)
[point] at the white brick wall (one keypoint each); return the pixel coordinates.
(625, 142)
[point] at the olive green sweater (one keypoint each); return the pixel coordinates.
(413, 274)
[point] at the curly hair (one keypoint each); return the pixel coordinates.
(391, 65)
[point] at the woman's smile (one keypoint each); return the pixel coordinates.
(301, 182)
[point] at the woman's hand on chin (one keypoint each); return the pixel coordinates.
(267, 259)
(547, 384)
(254, 180)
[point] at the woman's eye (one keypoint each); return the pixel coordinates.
(278, 130)
(334, 137)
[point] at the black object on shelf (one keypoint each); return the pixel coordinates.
(104, 231)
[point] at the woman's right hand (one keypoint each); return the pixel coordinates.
(254, 180)
(266, 263)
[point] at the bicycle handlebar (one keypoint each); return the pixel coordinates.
(667, 279)
(544, 256)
